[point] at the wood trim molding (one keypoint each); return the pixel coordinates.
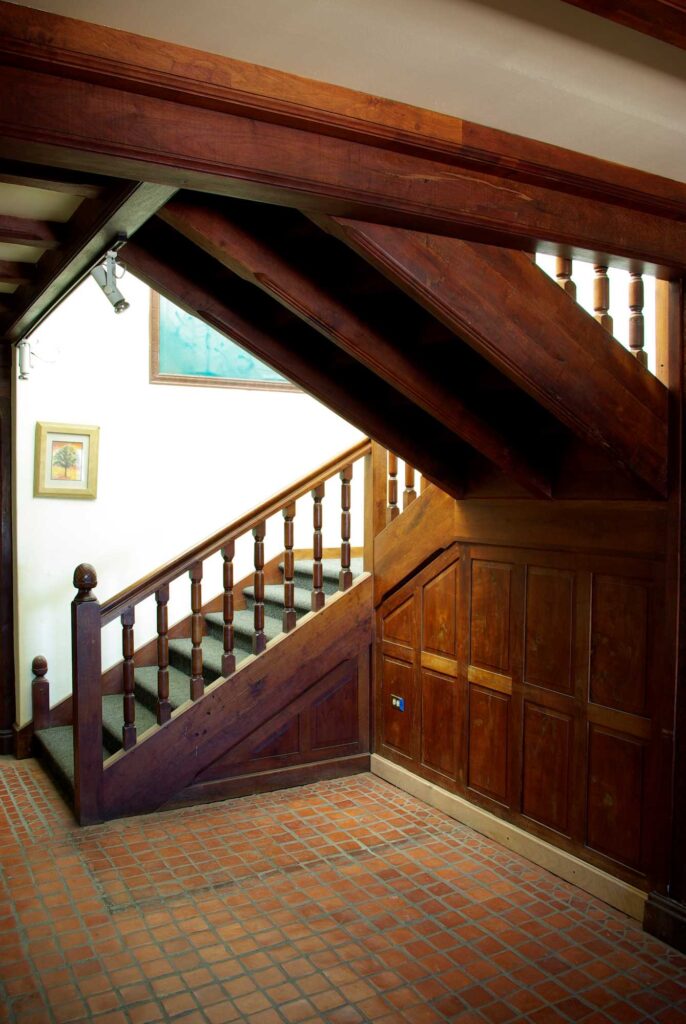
(94, 54)
(591, 879)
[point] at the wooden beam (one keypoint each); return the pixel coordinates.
(662, 19)
(172, 266)
(23, 231)
(510, 312)
(16, 273)
(97, 54)
(12, 172)
(229, 241)
(95, 225)
(99, 129)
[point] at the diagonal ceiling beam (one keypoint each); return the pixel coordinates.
(175, 268)
(24, 231)
(96, 128)
(661, 19)
(214, 230)
(510, 312)
(95, 225)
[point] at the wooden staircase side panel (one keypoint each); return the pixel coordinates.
(230, 710)
(510, 312)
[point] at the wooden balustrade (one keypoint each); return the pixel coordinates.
(393, 509)
(259, 641)
(88, 617)
(563, 274)
(228, 656)
(601, 298)
(636, 327)
(197, 678)
(163, 703)
(128, 735)
(289, 615)
(318, 596)
(345, 577)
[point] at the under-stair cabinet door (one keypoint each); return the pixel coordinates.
(529, 682)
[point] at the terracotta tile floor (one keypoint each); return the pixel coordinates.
(345, 901)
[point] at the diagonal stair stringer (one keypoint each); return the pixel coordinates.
(510, 312)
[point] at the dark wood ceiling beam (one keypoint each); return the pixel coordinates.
(13, 172)
(96, 225)
(662, 19)
(97, 54)
(96, 129)
(212, 229)
(17, 273)
(513, 315)
(24, 231)
(172, 266)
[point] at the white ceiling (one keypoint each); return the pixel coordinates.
(539, 68)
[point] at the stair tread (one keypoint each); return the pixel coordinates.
(330, 567)
(58, 742)
(273, 595)
(244, 625)
(113, 719)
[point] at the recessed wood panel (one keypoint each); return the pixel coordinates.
(334, 718)
(619, 631)
(397, 725)
(490, 615)
(488, 742)
(439, 614)
(615, 785)
(546, 760)
(398, 625)
(285, 741)
(549, 628)
(439, 724)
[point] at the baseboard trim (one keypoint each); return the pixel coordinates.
(591, 879)
(666, 919)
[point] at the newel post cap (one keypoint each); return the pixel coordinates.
(39, 666)
(85, 580)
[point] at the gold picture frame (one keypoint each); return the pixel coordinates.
(66, 461)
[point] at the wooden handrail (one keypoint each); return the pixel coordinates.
(160, 577)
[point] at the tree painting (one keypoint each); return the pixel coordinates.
(67, 460)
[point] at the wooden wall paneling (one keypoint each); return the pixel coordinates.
(397, 659)
(547, 741)
(490, 621)
(489, 743)
(620, 627)
(442, 697)
(615, 795)
(549, 631)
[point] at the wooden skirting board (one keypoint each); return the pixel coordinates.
(600, 884)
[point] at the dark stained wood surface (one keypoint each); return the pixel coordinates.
(7, 680)
(226, 234)
(87, 697)
(516, 317)
(662, 19)
(96, 54)
(230, 710)
(100, 129)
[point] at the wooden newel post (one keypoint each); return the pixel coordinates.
(40, 694)
(87, 696)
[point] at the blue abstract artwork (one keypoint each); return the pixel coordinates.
(189, 348)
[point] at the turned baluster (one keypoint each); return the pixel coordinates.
(636, 336)
(197, 678)
(393, 509)
(318, 596)
(288, 569)
(228, 656)
(128, 731)
(40, 694)
(345, 577)
(563, 273)
(601, 298)
(163, 703)
(259, 640)
(409, 494)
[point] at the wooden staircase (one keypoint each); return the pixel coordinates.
(55, 745)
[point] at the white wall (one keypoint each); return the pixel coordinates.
(176, 464)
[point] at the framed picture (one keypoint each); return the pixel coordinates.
(66, 461)
(184, 350)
